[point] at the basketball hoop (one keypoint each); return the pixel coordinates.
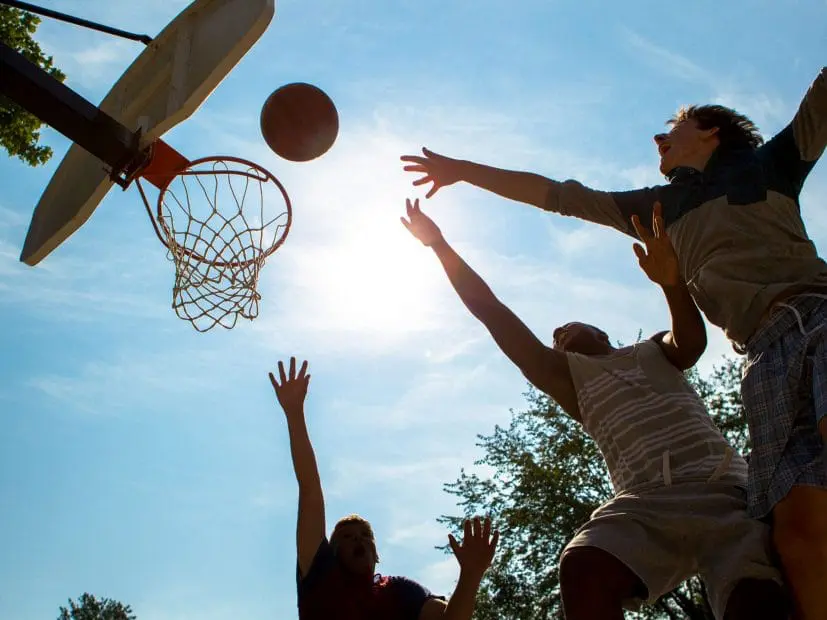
(219, 218)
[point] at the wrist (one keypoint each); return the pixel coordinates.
(463, 168)
(673, 287)
(438, 244)
(295, 416)
(471, 577)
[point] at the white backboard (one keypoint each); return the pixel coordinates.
(166, 84)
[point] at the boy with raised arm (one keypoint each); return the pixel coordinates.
(680, 503)
(336, 578)
(731, 206)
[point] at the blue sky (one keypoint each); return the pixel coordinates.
(145, 462)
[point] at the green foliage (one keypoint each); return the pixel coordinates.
(20, 130)
(90, 608)
(546, 477)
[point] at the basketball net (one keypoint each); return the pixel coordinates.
(217, 219)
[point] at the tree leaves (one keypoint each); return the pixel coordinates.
(20, 130)
(90, 608)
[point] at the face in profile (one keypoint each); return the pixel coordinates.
(684, 145)
(581, 338)
(355, 548)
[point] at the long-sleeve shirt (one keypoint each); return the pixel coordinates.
(736, 225)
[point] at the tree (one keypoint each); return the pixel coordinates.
(20, 130)
(547, 476)
(91, 608)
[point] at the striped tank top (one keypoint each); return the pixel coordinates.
(649, 423)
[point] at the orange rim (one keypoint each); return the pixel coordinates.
(166, 164)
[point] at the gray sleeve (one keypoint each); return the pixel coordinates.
(613, 209)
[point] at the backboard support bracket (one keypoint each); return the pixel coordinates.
(67, 112)
(77, 21)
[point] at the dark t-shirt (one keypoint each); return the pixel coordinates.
(325, 594)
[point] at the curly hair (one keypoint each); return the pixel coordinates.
(735, 131)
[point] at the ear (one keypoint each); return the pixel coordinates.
(710, 134)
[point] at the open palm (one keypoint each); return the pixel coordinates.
(420, 225)
(291, 387)
(438, 170)
(476, 551)
(658, 259)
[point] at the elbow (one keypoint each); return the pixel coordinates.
(692, 352)
(545, 194)
(484, 306)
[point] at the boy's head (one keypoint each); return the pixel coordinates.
(354, 545)
(698, 130)
(581, 338)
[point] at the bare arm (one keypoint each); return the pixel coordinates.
(310, 530)
(526, 187)
(686, 342)
(544, 367)
(569, 197)
(474, 556)
(461, 604)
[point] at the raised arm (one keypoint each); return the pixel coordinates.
(291, 390)
(684, 344)
(474, 555)
(544, 367)
(569, 198)
(792, 153)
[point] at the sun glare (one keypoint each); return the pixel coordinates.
(379, 279)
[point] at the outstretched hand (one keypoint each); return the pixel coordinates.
(477, 549)
(658, 260)
(438, 169)
(291, 389)
(420, 225)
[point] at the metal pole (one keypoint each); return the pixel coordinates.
(63, 109)
(31, 8)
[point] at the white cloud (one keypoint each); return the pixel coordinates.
(99, 387)
(643, 175)
(417, 474)
(417, 534)
(440, 577)
(667, 61)
(769, 112)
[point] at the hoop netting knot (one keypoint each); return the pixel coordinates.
(220, 219)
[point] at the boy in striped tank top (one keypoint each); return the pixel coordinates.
(680, 501)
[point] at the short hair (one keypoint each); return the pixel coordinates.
(351, 519)
(735, 131)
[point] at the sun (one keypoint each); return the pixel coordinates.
(380, 279)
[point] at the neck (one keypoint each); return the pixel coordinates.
(358, 580)
(697, 161)
(594, 350)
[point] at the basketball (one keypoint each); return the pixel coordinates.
(299, 122)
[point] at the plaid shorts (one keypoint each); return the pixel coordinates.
(784, 391)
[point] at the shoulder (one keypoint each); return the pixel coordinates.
(653, 347)
(403, 586)
(655, 339)
(588, 368)
(411, 595)
(323, 562)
